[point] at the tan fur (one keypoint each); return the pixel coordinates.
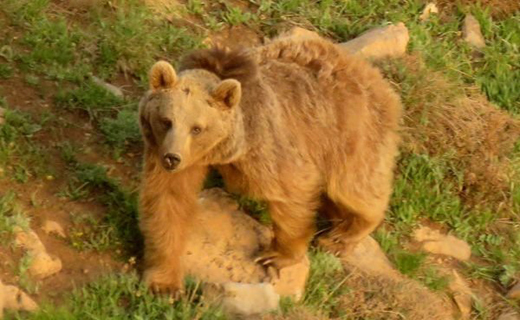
(315, 130)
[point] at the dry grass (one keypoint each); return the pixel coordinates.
(498, 8)
(381, 298)
(446, 120)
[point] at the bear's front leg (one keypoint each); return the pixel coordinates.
(168, 203)
(294, 226)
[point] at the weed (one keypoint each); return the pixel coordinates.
(235, 16)
(433, 280)
(122, 130)
(257, 209)
(21, 11)
(25, 281)
(119, 226)
(21, 174)
(74, 192)
(422, 190)
(90, 98)
(408, 263)
(325, 284)
(32, 80)
(89, 233)
(11, 216)
(6, 71)
(131, 39)
(53, 49)
(195, 7)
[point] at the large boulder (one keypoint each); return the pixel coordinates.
(377, 43)
(221, 250)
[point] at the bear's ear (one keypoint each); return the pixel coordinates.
(228, 92)
(162, 76)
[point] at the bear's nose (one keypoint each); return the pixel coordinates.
(171, 161)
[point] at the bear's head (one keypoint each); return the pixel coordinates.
(184, 117)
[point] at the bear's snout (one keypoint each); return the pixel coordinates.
(171, 161)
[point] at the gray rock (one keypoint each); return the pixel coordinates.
(389, 41)
(52, 227)
(42, 264)
(428, 10)
(243, 300)
(435, 242)
(227, 253)
(368, 257)
(109, 87)
(462, 295)
(471, 32)
(12, 298)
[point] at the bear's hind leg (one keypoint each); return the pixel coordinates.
(294, 227)
(353, 218)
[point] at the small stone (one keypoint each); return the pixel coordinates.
(28, 240)
(52, 227)
(12, 298)
(42, 264)
(369, 257)
(243, 299)
(471, 32)
(437, 243)
(109, 87)
(428, 10)
(462, 295)
(514, 292)
(389, 41)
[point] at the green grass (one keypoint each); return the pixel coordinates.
(25, 281)
(20, 157)
(6, 71)
(122, 130)
(423, 191)
(325, 284)
(119, 226)
(11, 216)
(125, 297)
(89, 98)
(90, 234)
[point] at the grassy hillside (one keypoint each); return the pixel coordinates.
(71, 151)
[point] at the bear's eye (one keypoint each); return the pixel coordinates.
(166, 123)
(196, 130)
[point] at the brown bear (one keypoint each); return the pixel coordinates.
(297, 122)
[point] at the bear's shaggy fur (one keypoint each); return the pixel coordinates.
(297, 123)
